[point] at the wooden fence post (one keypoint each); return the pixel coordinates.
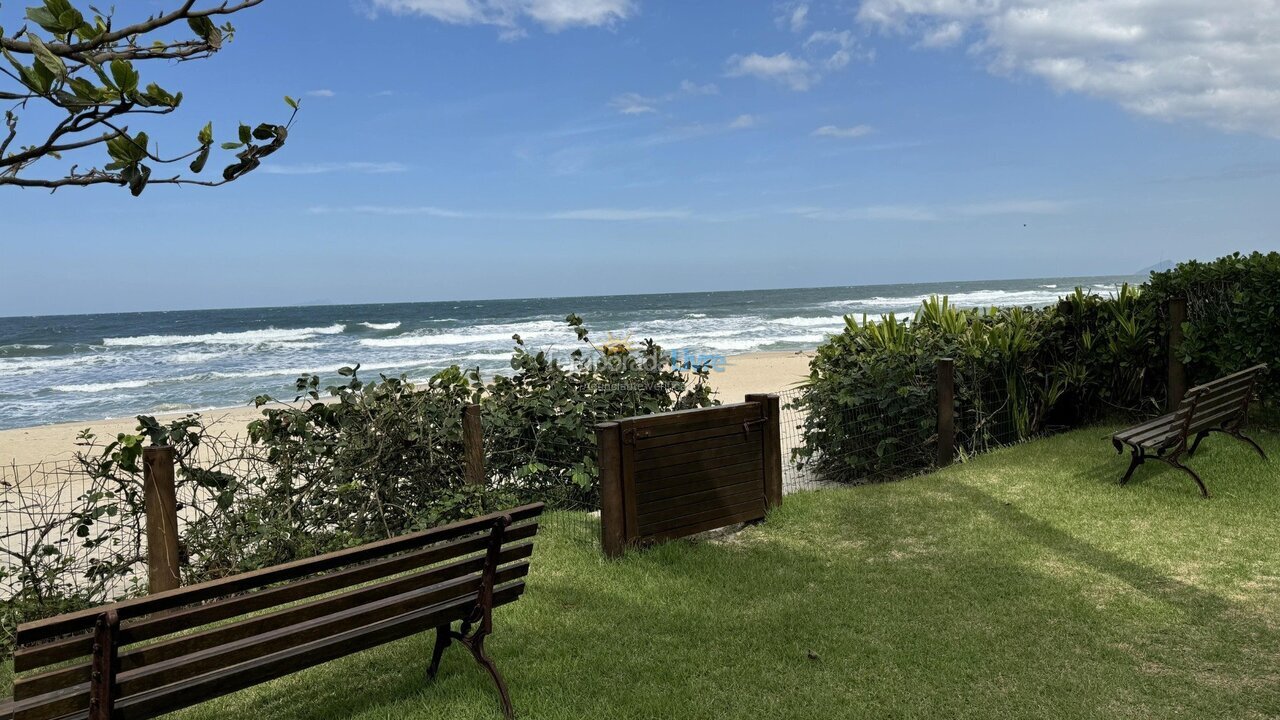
(162, 519)
(613, 534)
(1177, 387)
(473, 445)
(946, 411)
(771, 408)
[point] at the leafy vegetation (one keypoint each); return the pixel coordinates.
(870, 402)
(348, 464)
(82, 78)
(1233, 306)
(1022, 584)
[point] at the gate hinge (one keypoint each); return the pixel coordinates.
(629, 436)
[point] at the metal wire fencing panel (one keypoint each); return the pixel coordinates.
(858, 441)
(70, 539)
(541, 466)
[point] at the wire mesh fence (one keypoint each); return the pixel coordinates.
(69, 538)
(543, 467)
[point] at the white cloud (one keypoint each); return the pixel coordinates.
(619, 215)
(322, 93)
(389, 210)
(603, 214)
(366, 168)
(553, 15)
(1014, 207)
(793, 72)
(1217, 62)
(840, 44)
(930, 213)
(797, 17)
(833, 131)
(689, 87)
(742, 122)
(634, 104)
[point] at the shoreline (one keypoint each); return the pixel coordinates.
(761, 372)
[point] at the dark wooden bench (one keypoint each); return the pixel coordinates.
(1220, 406)
(150, 655)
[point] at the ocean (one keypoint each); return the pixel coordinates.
(87, 367)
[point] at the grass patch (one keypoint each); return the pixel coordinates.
(1024, 583)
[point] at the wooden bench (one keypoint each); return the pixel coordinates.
(150, 655)
(1219, 406)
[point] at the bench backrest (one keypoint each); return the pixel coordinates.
(1223, 401)
(177, 648)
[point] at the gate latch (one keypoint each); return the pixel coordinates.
(748, 424)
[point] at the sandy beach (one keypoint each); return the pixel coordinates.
(742, 374)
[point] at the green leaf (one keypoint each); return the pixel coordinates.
(125, 76)
(197, 165)
(85, 89)
(44, 18)
(46, 58)
(265, 131)
(139, 180)
(232, 146)
(206, 134)
(291, 102)
(246, 133)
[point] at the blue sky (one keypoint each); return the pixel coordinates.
(506, 148)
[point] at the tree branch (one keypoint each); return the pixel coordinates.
(183, 13)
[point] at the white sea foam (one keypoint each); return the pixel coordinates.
(248, 337)
(381, 326)
(974, 298)
(101, 387)
(835, 321)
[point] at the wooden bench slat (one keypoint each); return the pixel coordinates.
(142, 629)
(186, 644)
(136, 607)
(217, 684)
(1162, 421)
(208, 685)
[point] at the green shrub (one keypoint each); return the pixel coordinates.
(1233, 316)
(871, 406)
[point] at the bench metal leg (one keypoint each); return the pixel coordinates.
(1202, 435)
(476, 645)
(1173, 462)
(1138, 457)
(1241, 436)
(443, 638)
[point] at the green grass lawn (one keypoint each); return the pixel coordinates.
(1024, 583)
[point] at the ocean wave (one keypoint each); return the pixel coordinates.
(832, 321)
(381, 326)
(102, 387)
(248, 337)
(536, 331)
(974, 298)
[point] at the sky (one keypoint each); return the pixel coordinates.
(459, 149)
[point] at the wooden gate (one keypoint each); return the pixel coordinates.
(676, 474)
